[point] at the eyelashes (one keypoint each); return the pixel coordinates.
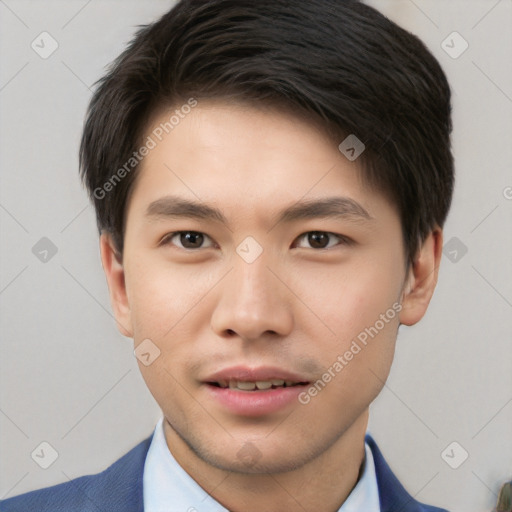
(316, 236)
(195, 235)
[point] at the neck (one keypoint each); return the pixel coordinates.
(324, 483)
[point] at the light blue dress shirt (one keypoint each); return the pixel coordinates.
(167, 487)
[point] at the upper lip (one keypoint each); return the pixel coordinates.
(248, 374)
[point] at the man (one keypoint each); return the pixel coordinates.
(270, 180)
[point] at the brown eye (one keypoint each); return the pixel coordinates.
(187, 239)
(323, 239)
(318, 239)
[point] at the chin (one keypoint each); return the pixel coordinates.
(250, 460)
(257, 456)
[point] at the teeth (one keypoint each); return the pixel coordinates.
(265, 384)
(246, 386)
(251, 386)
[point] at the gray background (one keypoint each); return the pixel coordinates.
(70, 379)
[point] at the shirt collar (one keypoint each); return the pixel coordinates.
(167, 487)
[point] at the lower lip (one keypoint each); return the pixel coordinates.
(255, 403)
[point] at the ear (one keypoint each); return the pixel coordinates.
(114, 272)
(422, 279)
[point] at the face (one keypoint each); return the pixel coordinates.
(271, 280)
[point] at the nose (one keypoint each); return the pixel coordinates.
(253, 303)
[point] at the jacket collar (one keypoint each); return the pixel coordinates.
(393, 496)
(120, 488)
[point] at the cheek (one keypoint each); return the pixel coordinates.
(351, 300)
(362, 310)
(162, 297)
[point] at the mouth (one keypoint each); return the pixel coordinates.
(263, 391)
(258, 385)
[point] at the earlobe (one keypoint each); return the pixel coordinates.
(114, 272)
(422, 279)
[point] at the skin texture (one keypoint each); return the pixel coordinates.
(296, 307)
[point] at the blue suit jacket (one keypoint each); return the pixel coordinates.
(119, 489)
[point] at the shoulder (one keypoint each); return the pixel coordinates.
(118, 488)
(393, 495)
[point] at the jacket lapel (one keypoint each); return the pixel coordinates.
(393, 496)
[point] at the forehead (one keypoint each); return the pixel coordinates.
(249, 161)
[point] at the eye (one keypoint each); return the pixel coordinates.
(323, 239)
(188, 240)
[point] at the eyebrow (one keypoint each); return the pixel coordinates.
(329, 207)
